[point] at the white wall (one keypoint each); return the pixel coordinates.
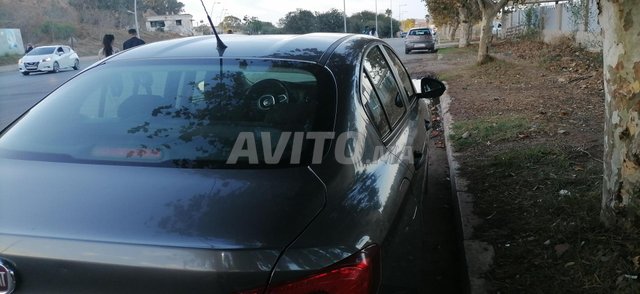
(558, 20)
(11, 42)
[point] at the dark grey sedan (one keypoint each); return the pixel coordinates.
(420, 39)
(283, 164)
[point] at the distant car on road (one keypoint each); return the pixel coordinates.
(420, 39)
(133, 176)
(403, 34)
(49, 59)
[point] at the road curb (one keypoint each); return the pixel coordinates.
(478, 255)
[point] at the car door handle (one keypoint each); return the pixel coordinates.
(418, 159)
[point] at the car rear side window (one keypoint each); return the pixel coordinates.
(405, 79)
(381, 75)
(180, 113)
(372, 103)
(420, 32)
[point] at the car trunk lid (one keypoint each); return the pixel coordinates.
(110, 224)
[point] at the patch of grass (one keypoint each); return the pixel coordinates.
(466, 134)
(8, 59)
(540, 210)
(457, 51)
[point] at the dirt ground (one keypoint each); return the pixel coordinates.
(528, 129)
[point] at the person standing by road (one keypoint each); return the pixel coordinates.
(133, 41)
(107, 46)
(373, 32)
(29, 48)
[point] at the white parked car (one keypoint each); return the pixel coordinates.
(49, 59)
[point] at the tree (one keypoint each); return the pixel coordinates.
(330, 21)
(408, 23)
(621, 184)
(162, 6)
(57, 31)
(252, 25)
(269, 28)
(232, 23)
(489, 9)
(444, 13)
(299, 22)
(468, 14)
(361, 20)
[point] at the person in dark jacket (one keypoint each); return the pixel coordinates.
(133, 41)
(29, 48)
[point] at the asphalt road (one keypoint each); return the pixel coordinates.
(18, 93)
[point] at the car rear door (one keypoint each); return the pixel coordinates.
(403, 245)
(392, 102)
(418, 111)
(66, 57)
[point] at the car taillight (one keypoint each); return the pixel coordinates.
(357, 274)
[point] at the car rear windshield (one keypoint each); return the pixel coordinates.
(180, 113)
(41, 51)
(420, 32)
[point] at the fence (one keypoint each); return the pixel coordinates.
(578, 19)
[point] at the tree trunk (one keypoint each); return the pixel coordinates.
(463, 14)
(585, 15)
(489, 11)
(454, 30)
(621, 182)
(485, 39)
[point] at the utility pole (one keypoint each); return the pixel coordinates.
(400, 14)
(135, 13)
(344, 14)
(391, 18)
(376, 17)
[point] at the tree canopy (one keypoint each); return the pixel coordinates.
(443, 12)
(163, 6)
(330, 21)
(300, 21)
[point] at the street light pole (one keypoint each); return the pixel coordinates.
(214, 5)
(391, 18)
(376, 17)
(344, 14)
(400, 15)
(135, 13)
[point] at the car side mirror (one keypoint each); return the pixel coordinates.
(431, 88)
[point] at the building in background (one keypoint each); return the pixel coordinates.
(176, 23)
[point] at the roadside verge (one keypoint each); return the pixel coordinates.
(478, 255)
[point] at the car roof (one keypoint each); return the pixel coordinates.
(308, 47)
(421, 28)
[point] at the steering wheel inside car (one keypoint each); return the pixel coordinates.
(267, 93)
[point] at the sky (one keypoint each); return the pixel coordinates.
(273, 10)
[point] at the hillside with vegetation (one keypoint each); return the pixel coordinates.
(80, 23)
